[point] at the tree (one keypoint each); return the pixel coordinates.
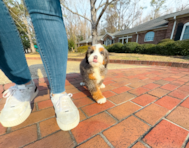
(20, 16)
(94, 18)
(180, 5)
(122, 15)
(157, 6)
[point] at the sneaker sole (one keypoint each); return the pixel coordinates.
(22, 118)
(68, 127)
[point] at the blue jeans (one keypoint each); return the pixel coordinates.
(51, 37)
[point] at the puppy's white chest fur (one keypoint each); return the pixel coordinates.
(96, 74)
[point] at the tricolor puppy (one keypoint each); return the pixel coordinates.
(93, 70)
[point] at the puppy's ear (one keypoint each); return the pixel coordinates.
(86, 55)
(106, 58)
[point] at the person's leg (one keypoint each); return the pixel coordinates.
(12, 58)
(51, 37)
(13, 63)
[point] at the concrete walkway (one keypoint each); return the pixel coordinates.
(146, 107)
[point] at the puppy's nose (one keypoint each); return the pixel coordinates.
(95, 57)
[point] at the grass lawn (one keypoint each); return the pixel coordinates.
(139, 57)
(130, 56)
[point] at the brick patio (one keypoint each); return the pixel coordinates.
(146, 107)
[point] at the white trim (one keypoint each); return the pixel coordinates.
(173, 30)
(127, 37)
(183, 30)
(137, 38)
(107, 34)
(106, 41)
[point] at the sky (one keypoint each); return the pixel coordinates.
(169, 3)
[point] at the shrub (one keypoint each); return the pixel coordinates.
(108, 46)
(129, 47)
(83, 48)
(145, 48)
(183, 47)
(165, 40)
(117, 47)
(71, 44)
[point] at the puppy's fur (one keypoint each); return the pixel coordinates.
(93, 70)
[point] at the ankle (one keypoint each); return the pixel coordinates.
(59, 93)
(28, 83)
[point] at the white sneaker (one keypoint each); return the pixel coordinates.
(67, 114)
(17, 107)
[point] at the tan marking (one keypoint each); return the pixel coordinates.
(102, 77)
(91, 76)
(101, 49)
(92, 47)
(104, 62)
(97, 95)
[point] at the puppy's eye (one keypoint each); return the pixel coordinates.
(101, 52)
(91, 52)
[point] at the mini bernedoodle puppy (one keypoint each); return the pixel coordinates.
(93, 70)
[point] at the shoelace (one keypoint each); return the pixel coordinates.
(63, 103)
(10, 92)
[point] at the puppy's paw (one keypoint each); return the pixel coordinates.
(102, 86)
(82, 84)
(101, 101)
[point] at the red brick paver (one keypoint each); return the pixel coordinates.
(139, 91)
(121, 98)
(96, 108)
(145, 107)
(179, 94)
(124, 110)
(126, 132)
(19, 138)
(58, 139)
(185, 103)
(144, 99)
(158, 92)
(92, 126)
(152, 113)
(139, 145)
(96, 142)
(151, 86)
(180, 116)
(168, 102)
(166, 134)
(121, 89)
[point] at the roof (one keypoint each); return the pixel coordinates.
(183, 12)
(150, 25)
(153, 24)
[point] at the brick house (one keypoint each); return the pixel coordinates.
(173, 26)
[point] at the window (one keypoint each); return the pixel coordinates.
(108, 42)
(125, 40)
(149, 36)
(185, 32)
(179, 31)
(129, 39)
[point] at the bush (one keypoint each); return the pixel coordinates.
(183, 47)
(117, 47)
(108, 46)
(83, 48)
(129, 47)
(71, 44)
(145, 49)
(165, 40)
